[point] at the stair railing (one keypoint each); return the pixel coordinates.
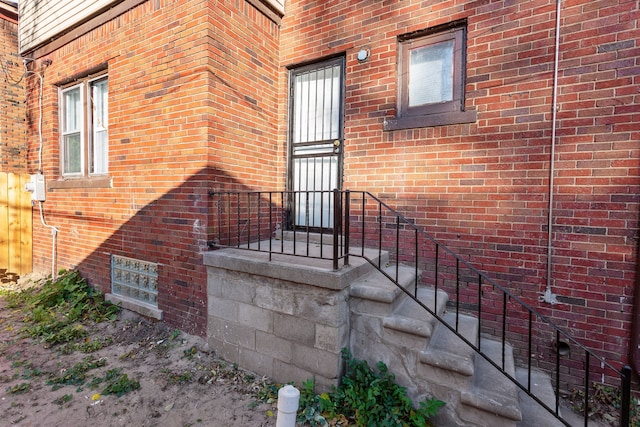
(502, 314)
(361, 222)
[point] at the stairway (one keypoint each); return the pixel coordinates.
(430, 360)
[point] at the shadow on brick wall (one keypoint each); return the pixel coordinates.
(173, 232)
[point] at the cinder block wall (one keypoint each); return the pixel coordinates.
(483, 188)
(269, 319)
(190, 110)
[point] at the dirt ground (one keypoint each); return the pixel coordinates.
(182, 383)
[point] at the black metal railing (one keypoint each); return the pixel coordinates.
(361, 222)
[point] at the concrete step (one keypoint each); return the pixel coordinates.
(306, 260)
(410, 325)
(377, 295)
(492, 399)
(447, 351)
(534, 415)
(411, 318)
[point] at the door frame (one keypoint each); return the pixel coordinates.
(338, 150)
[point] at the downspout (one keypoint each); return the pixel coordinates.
(549, 296)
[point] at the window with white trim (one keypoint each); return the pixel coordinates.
(84, 117)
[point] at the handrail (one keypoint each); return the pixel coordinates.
(362, 219)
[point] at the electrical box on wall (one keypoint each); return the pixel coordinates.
(37, 188)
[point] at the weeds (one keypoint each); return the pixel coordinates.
(55, 312)
(65, 398)
(86, 346)
(190, 352)
(604, 404)
(19, 388)
(364, 398)
(77, 375)
(176, 378)
(118, 383)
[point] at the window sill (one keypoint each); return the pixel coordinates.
(443, 119)
(139, 307)
(92, 182)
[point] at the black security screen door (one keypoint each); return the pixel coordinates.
(316, 141)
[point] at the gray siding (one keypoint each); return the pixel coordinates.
(43, 20)
(277, 4)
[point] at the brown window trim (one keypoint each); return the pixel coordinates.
(437, 114)
(429, 120)
(80, 182)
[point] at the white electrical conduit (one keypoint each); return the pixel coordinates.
(549, 296)
(54, 230)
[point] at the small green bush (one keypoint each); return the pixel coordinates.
(364, 398)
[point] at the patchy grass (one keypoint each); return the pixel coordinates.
(57, 314)
(55, 311)
(68, 357)
(76, 375)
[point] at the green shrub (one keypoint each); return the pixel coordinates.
(364, 398)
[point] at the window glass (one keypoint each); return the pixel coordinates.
(99, 140)
(72, 137)
(72, 150)
(317, 105)
(73, 109)
(431, 74)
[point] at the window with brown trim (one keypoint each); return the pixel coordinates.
(431, 71)
(84, 145)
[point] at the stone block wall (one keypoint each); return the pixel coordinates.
(286, 328)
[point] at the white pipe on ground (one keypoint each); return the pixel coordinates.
(288, 399)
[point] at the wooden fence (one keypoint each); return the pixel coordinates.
(15, 224)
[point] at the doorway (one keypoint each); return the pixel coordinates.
(316, 141)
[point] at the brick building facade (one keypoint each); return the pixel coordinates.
(181, 122)
(13, 148)
(483, 187)
(198, 101)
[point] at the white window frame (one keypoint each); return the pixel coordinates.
(66, 132)
(86, 127)
(98, 125)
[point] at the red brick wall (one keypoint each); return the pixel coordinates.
(198, 103)
(191, 110)
(13, 147)
(483, 188)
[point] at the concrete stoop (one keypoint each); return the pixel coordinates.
(289, 317)
(432, 361)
